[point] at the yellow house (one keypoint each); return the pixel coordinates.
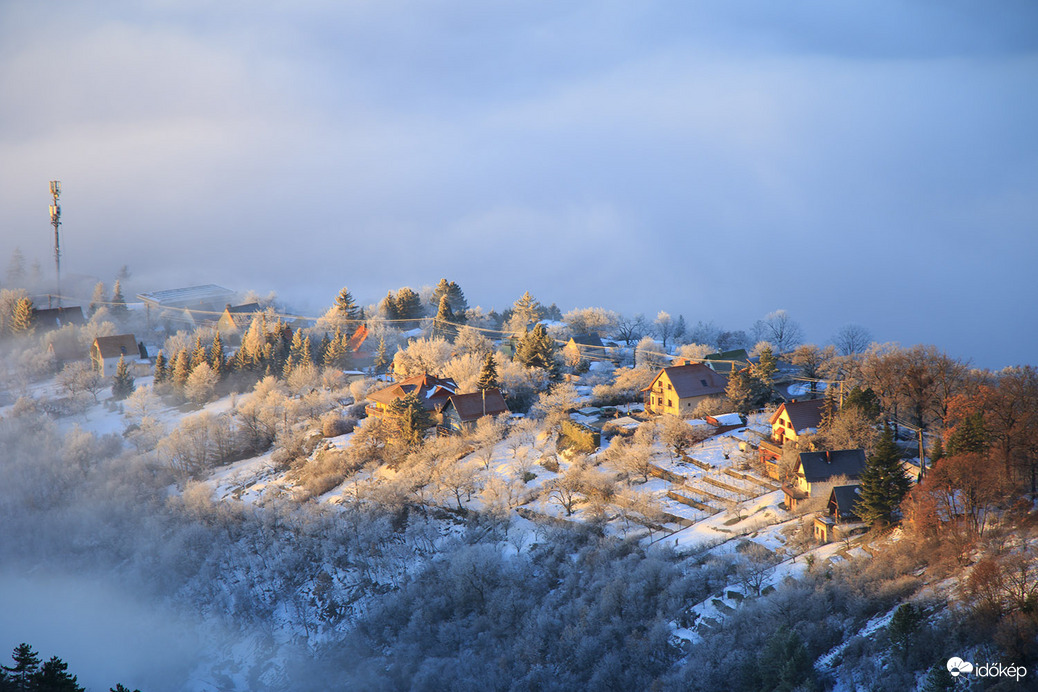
(788, 423)
(106, 351)
(815, 469)
(679, 389)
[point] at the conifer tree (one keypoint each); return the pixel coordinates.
(217, 357)
(969, 436)
(26, 665)
(118, 302)
(525, 312)
(161, 370)
(346, 308)
(408, 306)
(322, 348)
(181, 369)
(536, 349)
(443, 323)
(488, 373)
(198, 355)
(884, 483)
(16, 269)
(455, 296)
(387, 308)
(307, 357)
(22, 320)
(411, 420)
(297, 348)
(122, 384)
(98, 300)
(382, 361)
(53, 676)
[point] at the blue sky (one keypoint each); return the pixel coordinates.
(846, 162)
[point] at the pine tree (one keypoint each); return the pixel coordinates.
(443, 323)
(217, 357)
(98, 300)
(26, 665)
(346, 308)
(525, 312)
(387, 308)
(53, 676)
(198, 355)
(16, 269)
(536, 349)
(746, 391)
(322, 348)
(122, 384)
(488, 373)
(118, 302)
(408, 305)
(766, 365)
(22, 319)
(382, 361)
(180, 369)
(411, 420)
(969, 436)
(161, 370)
(884, 483)
(455, 296)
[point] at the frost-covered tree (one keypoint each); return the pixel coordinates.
(16, 269)
(525, 312)
(536, 349)
(444, 324)
(422, 356)
(597, 321)
(665, 328)
(201, 383)
(118, 305)
(98, 299)
(408, 306)
(382, 362)
(22, 318)
(488, 373)
(122, 384)
(470, 340)
(648, 354)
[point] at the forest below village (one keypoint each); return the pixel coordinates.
(237, 474)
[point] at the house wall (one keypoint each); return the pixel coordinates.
(663, 399)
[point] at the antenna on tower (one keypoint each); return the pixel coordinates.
(55, 219)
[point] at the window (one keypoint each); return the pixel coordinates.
(670, 403)
(703, 382)
(668, 386)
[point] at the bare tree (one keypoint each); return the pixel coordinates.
(631, 328)
(666, 328)
(852, 339)
(780, 329)
(81, 377)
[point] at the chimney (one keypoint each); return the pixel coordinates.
(828, 459)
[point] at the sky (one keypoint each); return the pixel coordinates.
(845, 162)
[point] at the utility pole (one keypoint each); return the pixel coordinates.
(55, 219)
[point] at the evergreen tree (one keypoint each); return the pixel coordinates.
(866, 401)
(26, 665)
(335, 351)
(382, 361)
(346, 308)
(746, 391)
(22, 320)
(118, 302)
(408, 306)
(298, 347)
(884, 483)
(536, 349)
(198, 355)
(455, 296)
(443, 323)
(217, 357)
(387, 308)
(161, 370)
(411, 420)
(525, 312)
(322, 348)
(119, 687)
(98, 300)
(122, 384)
(765, 366)
(969, 436)
(53, 676)
(16, 269)
(308, 352)
(488, 373)
(180, 369)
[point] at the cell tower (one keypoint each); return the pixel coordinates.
(55, 219)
